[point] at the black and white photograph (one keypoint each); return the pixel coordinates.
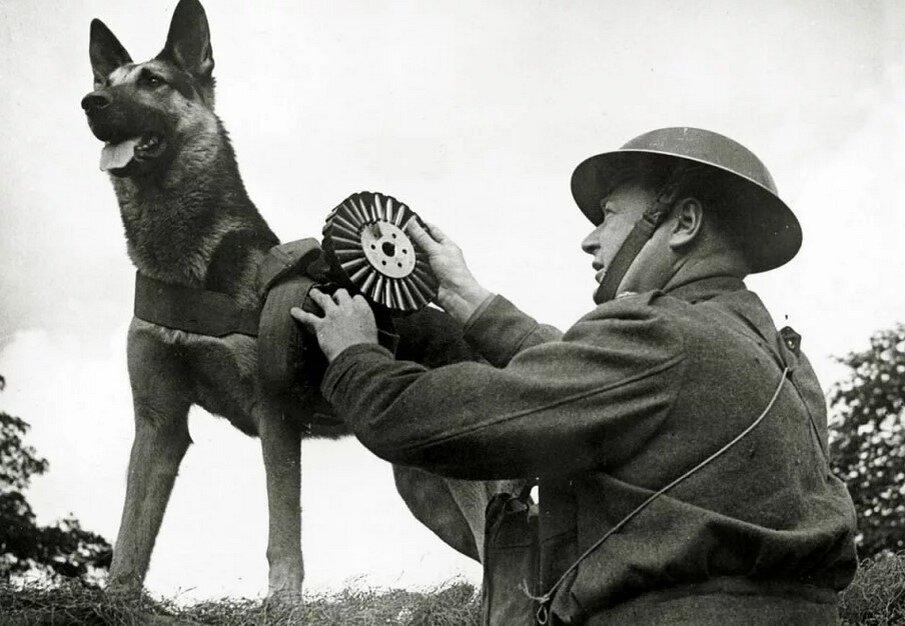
(354, 312)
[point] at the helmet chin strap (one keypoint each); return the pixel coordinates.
(643, 230)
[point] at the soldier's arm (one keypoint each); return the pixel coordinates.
(498, 331)
(586, 401)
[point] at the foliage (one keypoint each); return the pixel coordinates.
(868, 439)
(61, 549)
(452, 605)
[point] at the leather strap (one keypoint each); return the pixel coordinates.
(637, 238)
(642, 232)
(192, 310)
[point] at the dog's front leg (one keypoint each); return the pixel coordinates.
(161, 405)
(281, 444)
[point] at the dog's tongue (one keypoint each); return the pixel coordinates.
(117, 155)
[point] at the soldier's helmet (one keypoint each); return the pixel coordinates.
(770, 234)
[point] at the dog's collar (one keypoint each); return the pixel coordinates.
(192, 310)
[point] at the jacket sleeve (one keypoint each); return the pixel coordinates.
(498, 330)
(586, 401)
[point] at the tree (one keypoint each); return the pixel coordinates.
(868, 439)
(62, 549)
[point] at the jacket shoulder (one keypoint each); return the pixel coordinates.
(636, 323)
(632, 305)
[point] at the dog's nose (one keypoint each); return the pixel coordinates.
(95, 101)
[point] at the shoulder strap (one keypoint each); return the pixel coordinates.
(290, 257)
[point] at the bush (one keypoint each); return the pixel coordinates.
(62, 549)
(867, 439)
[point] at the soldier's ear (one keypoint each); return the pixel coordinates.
(689, 220)
(105, 51)
(189, 40)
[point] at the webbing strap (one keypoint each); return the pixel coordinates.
(214, 313)
(192, 310)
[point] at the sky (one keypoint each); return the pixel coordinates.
(474, 114)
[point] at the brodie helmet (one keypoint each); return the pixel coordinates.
(770, 235)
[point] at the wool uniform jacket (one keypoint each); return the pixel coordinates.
(636, 393)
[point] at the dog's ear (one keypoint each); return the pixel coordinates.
(189, 41)
(105, 51)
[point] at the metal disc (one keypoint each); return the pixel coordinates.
(388, 249)
(366, 243)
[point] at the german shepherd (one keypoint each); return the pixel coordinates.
(189, 222)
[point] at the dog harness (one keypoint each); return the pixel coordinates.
(198, 311)
(214, 313)
(286, 276)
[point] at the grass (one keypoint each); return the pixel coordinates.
(875, 598)
(455, 604)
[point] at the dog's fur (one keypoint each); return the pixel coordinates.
(188, 221)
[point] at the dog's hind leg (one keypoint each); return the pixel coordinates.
(281, 438)
(161, 405)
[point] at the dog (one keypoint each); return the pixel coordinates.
(189, 222)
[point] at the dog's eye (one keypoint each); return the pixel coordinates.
(152, 80)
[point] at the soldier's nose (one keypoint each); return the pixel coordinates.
(95, 101)
(591, 243)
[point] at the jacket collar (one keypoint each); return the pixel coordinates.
(732, 295)
(706, 288)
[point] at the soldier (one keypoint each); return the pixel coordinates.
(679, 442)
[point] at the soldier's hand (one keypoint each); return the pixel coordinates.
(347, 321)
(459, 293)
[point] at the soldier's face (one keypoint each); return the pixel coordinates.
(621, 209)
